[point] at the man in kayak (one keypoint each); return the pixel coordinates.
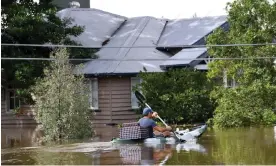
(147, 121)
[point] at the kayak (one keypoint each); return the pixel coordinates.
(182, 136)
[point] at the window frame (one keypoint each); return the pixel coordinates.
(94, 94)
(132, 81)
(228, 83)
(8, 100)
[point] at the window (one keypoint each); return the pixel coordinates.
(14, 101)
(228, 83)
(134, 100)
(94, 93)
(3, 94)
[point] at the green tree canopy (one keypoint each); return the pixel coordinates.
(250, 22)
(27, 22)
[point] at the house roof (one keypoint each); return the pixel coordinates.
(136, 32)
(185, 58)
(122, 40)
(99, 25)
(189, 31)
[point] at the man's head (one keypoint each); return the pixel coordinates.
(147, 112)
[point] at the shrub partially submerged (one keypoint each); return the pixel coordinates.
(62, 101)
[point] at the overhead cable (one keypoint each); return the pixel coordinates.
(141, 46)
(169, 59)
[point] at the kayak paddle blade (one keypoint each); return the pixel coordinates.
(140, 97)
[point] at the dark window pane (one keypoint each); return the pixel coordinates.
(11, 94)
(3, 94)
(17, 104)
(11, 103)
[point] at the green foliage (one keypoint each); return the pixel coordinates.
(179, 96)
(250, 22)
(245, 106)
(62, 101)
(28, 22)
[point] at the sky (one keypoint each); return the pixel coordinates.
(171, 9)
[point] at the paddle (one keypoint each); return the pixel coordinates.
(142, 99)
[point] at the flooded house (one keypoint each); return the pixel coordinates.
(125, 46)
(130, 45)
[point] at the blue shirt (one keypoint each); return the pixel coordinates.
(147, 122)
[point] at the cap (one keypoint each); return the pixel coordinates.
(146, 111)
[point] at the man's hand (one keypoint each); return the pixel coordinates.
(155, 114)
(169, 128)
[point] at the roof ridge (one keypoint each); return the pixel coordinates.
(197, 18)
(93, 9)
(117, 15)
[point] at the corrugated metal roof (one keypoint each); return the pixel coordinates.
(189, 31)
(99, 25)
(138, 31)
(185, 56)
(98, 67)
(135, 32)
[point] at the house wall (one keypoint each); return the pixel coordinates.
(114, 101)
(115, 105)
(3, 100)
(9, 119)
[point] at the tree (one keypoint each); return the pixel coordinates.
(179, 95)
(62, 100)
(253, 101)
(28, 22)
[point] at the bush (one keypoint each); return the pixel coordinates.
(179, 95)
(245, 106)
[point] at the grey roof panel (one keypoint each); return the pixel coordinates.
(134, 62)
(184, 58)
(139, 31)
(189, 31)
(99, 25)
(151, 32)
(137, 66)
(97, 67)
(121, 67)
(137, 58)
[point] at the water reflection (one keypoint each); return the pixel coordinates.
(190, 146)
(275, 133)
(12, 136)
(228, 146)
(187, 146)
(244, 146)
(139, 154)
(148, 154)
(20, 137)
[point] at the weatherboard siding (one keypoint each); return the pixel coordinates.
(9, 119)
(3, 101)
(114, 101)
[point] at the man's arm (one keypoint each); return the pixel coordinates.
(160, 129)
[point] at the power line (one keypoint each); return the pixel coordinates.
(157, 46)
(169, 59)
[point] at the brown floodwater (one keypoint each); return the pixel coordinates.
(227, 146)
